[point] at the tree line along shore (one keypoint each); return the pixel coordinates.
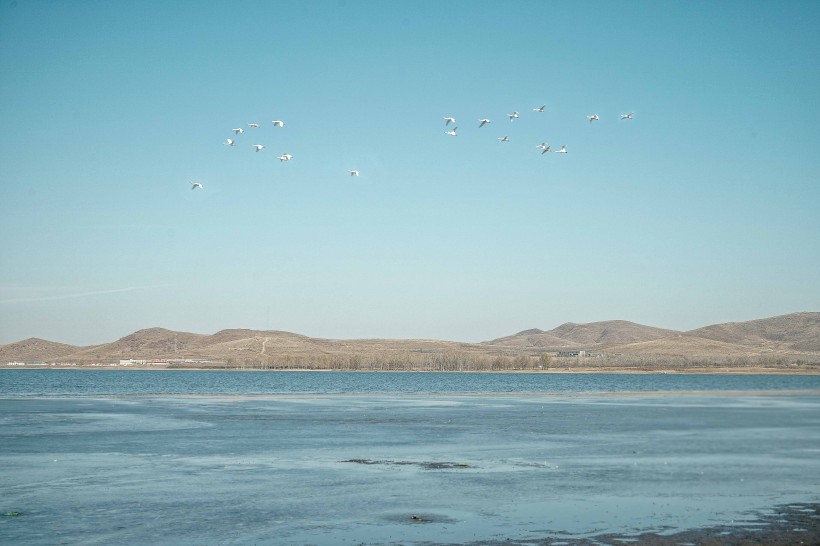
(467, 362)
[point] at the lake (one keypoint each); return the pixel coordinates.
(224, 457)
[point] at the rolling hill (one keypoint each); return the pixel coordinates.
(593, 335)
(35, 350)
(794, 336)
(795, 332)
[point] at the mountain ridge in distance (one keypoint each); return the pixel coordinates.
(792, 334)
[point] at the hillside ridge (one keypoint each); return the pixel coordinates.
(795, 335)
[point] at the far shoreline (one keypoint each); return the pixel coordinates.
(752, 370)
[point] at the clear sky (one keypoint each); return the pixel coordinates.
(704, 208)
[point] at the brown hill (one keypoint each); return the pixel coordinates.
(681, 345)
(531, 339)
(244, 344)
(34, 350)
(590, 336)
(796, 335)
(796, 332)
(142, 344)
(610, 332)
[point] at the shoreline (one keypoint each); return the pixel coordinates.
(785, 525)
(751, 370)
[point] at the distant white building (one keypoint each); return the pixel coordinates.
(16, 364)
(572, 353)
(132, 362)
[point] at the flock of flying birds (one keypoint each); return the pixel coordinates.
(257, 147)
(544, 147)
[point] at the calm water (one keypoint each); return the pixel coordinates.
(188, 457)
(111, 382)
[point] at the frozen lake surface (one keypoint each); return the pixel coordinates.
(331, 468)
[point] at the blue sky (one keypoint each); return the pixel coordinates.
(704, 208)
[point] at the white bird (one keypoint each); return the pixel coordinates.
(540, 108)
(354, 173)
(484, 122)
(448, 121)
(285, 157)
(258, 146)
(542, 145)
(563, 150)
(513, 116)
(196, 185)
(230, 142)
(503, 139)
(278, 123)
(238, 130)
(627, 116)
(451, 132)
(254, 125)
(593, 117)
(545, 149)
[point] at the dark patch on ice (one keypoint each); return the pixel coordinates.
(794, 524)
(426, 465)
(418, 518)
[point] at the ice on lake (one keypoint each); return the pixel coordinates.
(398, 468)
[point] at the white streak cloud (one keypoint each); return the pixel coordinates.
(75, 295)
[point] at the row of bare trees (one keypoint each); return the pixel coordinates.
(465, 361)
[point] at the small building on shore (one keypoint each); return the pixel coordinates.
(571, 353)
(132, 362)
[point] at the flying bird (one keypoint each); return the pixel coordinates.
(278, 123)
(540, 108)
(448, 121)
(285, 157)
(451, 132)
(593, 117)
(197, 185)
(627, 116)
(354, 173)
(484, 122)
(513, 116)
(545, 149)
(253, 125)
(563, 150)
(503, 139)
(230, 142)
(258, 146)
(238, 130)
